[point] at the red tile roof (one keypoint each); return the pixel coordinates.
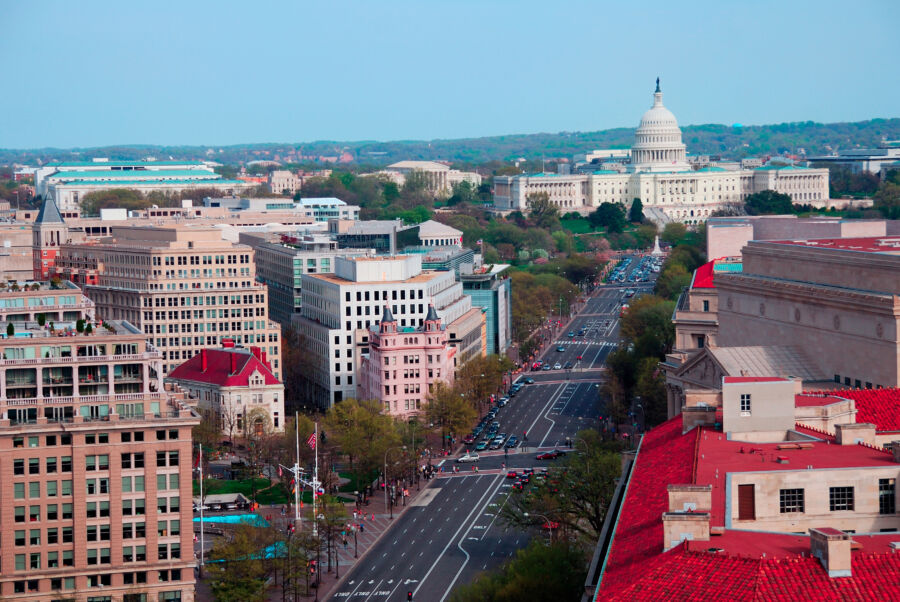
(681, 574)
(219, 368)
(751, 565)
(881, 407)
(806, 400)
(754, 379)
(665, 456)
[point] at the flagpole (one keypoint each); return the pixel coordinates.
(297, 517)
(315, 530)
(201, 510)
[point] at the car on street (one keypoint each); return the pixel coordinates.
(502, 402)
(467, 458)
(561, 349)
(559, 452)
(512, 442)
(568, 365)
(571, 333)
(547, 367)
(495, 444)
(550, 455)
(482, 445)
(528, 471)
(529, 381)
(557, 366)
(469, 438)
(512, 474)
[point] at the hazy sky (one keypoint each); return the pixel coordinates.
(92, 73)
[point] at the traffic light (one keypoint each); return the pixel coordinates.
(409, 596)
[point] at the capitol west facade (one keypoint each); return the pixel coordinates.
(660, 175)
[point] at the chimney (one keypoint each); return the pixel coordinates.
(689, 498)
(255, 351)
(233, 356)
(684, 526)
(895, 447)
(855, 432)
(203, 360)
(832, 548)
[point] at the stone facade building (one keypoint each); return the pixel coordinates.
(660, 175)
(184, 287)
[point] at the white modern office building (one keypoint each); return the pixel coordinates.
(339, 307)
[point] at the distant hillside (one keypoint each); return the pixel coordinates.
(728, 141)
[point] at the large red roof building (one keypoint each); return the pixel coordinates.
(235, 387)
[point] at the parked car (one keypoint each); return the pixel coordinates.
(529, 381)
(512, 474)
(560, 349)
(469, 438)
(482, 445)
(557, 366)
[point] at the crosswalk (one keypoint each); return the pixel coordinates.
(596, 342)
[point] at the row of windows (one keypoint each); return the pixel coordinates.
(383, 295)
(105, 580)
(184, 301)
(840, 499)
(89, 438)
(858, 384)
(51, 489)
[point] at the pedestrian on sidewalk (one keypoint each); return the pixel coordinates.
(373, 516)
(362, 527)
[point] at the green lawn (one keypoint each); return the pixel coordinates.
(577, 226)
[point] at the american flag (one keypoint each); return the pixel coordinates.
(311, 442)
(480, 242)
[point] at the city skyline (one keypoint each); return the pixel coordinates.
(136, 75)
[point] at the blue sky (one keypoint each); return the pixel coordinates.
(194, 72)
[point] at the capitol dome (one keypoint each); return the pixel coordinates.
(657, 141)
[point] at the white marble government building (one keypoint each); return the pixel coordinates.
(659, 174)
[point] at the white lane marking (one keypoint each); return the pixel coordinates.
(465, 562)
(478, 507)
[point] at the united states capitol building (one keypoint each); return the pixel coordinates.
(659, 173)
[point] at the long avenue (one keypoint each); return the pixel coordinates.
(452, 531)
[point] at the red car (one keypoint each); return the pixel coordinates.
(469, 439)
(579, 358)
(512, 474)
(550, 455)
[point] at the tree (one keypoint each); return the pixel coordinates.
(10, 329)
(236, 568)
(207, 433)
(362, 432)
(636, 213)
(768, 202)
(79, 325)
(539, 573)
(887, 200)
(463, 192)
(88, 328)
(673, 233)
(126, 198)
(544, 212)
(610, 216)
(448, 409)
(41, 320)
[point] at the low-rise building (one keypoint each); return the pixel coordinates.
(403, 363)
(70, 181)
(748, 511)
(282, 181)
(439, 178)
(235, 387)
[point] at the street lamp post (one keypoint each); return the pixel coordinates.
(549, 523)
(386, 452)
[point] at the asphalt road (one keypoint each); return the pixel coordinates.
(452, 531)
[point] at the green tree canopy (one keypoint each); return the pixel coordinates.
(544, 212)
(887, 200)
(636, 213)
(768, 202)
(610, 216)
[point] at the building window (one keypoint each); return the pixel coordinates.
(887, 499)
(840, 498)
(705, 305)
(745, 404)
(791, 500)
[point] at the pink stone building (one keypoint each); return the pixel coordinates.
(404, 363)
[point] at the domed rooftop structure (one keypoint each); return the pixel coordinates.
(657, 141)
